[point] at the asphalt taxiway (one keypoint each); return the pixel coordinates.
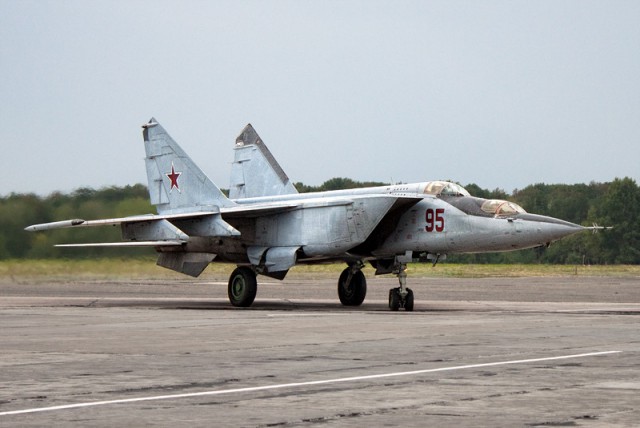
(475, 352)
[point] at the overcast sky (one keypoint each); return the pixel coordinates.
(498, 93)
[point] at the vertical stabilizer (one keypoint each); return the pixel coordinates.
(255, 172)
(176, 184)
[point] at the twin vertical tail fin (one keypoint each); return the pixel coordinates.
(176, 184)
(255, 172)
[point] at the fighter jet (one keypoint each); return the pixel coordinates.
(266, 227)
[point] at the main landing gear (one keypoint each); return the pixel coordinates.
(242, 287)
(352, 285)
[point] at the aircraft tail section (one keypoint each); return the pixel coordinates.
(176, 184)
(255, 172)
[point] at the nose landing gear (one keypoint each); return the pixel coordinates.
(401, 297)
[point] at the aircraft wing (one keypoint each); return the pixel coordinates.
(110, 221)
(155, 230)
(147, 230)
(240, 211)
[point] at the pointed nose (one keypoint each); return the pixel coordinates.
(548, 229)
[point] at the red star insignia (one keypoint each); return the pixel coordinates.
(173, 177)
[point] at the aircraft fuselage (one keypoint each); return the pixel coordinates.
(341, 225)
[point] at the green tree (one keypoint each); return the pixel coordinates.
(614, 204)
(620, 208)
(16, 212)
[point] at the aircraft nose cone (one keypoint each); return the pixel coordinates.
(550, 229)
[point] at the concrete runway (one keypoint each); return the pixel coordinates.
(475, 352)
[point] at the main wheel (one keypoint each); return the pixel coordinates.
(394, 299)
(243, 287)
(353, 293)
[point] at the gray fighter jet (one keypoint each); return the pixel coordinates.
(266, 227)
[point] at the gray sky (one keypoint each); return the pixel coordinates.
(498, 93)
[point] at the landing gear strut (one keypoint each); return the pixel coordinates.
(352, 285)
(401, 297)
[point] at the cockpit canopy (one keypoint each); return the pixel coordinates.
(445, 188)
(471, 205)
(499, 207)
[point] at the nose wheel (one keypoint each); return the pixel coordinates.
(401, 297)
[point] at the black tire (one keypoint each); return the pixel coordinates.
(243, 287)
(394, 299)
(408, 301)
(352, 294)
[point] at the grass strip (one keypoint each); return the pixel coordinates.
(116, 268)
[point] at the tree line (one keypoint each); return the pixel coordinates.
(615, 203)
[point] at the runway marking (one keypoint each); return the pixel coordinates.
(298, 384)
